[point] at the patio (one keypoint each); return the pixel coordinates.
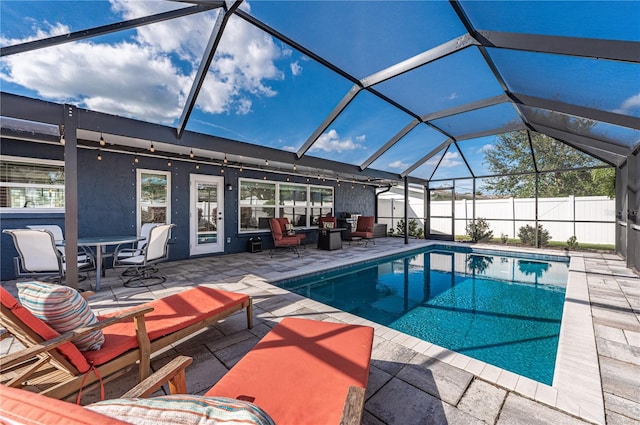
(413, 381)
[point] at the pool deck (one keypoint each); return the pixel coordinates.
(597, 378)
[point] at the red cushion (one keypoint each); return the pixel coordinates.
(68, 350)
(365, 235)
(365, 224)
(300, 372)
(170, 314)
(24, 407)
(276, 229)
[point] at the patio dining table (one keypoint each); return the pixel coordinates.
(100, 243)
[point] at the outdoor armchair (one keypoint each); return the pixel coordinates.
(38, 255)
(364, 229)
(281, 239)
(140, 264)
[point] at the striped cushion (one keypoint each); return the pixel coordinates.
(183, 409)
(62, 308)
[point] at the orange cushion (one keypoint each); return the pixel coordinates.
(68, 350)
(170, 314)
(24, 407)
(365, 223)
(300, 372)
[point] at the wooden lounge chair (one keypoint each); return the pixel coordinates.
(53, 366)
(302, 372)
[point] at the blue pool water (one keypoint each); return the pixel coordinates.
(496, 308)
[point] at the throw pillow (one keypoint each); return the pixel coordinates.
(328, 224)
(183, 409)
(62, 308)
(290, 229)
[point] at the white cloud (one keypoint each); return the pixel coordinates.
(139, 77)
(450, 160)
(331, 142)
(452, 96)
(399, 165)
(628, 105)
(486, 148)
(296, 69)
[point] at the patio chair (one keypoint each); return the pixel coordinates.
(52, 365)
(38, 255)
(322, 222)
(287, 228)
(140, 265)
(84, 254)
(281, 240)
(364, 229)
(136, 249)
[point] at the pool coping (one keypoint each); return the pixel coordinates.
(576, 387)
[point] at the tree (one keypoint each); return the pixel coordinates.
(512, 155)
(604, 179)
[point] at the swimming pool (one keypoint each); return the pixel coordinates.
(489, 305)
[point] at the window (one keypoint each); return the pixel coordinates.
(154, 197)
(31, 183)
(302, 204)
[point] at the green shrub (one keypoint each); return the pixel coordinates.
(413, 229)
(527, 235)
(478, 230)
(504, 238)
(572, 242)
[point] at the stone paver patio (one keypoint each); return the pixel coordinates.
(597, 377)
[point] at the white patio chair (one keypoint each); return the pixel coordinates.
(140, 264)
(38, 255)
(84, 254)
(137, 249)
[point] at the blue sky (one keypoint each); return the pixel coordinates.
(262, 91)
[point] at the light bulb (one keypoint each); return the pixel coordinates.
(225, 158)
(99, 156)
(102, 142)
(152, 149)
(136, 160)
(191, 154)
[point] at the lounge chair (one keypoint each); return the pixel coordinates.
(54, 366)
(302, 372)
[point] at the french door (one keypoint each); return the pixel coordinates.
(206, 224)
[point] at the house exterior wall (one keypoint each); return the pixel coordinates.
(107, 199)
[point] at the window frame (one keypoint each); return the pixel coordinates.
(308, 205)
(167, 204)
(31, 161)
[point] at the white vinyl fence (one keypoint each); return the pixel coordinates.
(590, 218)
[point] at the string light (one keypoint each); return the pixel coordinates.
(294, 167)
(240, 168)
(62, 141)
(151, 148)
(226, 160)
(221, 170)
(102, 142)
(191, 154)
(135, 159)
(99, 156)
(197, 166)
(264, 178)
(169, 163)
(266, 162)
(288, 178)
